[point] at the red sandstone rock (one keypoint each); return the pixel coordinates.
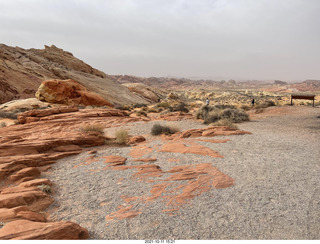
(29, 230)
(26, 172)
(136, 139)
(69, 92)
(21, 212)
(115, 160)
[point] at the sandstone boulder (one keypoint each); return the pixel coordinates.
(29, 230)
(69, 92)
(143, 90)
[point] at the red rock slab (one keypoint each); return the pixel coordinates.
(140, 150)
(36, 182)
(115, 160)
(145, 160)
(36, 200)
(25, 172)
(123, 213)
(213, 140)
(147, 171)
(136, 140)
(22, 212)
(193, 148)
(29, 230)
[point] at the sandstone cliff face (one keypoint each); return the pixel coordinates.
(23, 70)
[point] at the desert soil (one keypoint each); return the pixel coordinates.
(276, 191)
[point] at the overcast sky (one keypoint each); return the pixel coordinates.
(230, 39)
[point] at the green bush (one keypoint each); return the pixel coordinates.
(158, 129)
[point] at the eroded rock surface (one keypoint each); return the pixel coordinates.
(69, 92)
(29, 148)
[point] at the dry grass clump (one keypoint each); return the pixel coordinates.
(266, 104)
(122, 136)
(45, 188)
(93, 127)
(212, 114)
(158, 129)
(226, 122)
(3, 124)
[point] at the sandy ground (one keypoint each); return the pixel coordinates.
(276, 194)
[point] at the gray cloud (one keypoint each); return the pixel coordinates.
(265, 39)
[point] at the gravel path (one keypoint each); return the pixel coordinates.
(276, 193)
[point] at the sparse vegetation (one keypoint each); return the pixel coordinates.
(93, 127)
(182, 107)
(122, 136)
(141, 113)
(45, 188)
(158, 129)
(266, 104)
(153, 110)
(8, 115)
(226, 122)
(3, 124)
(139, 105)
(212, 114)
(123, 107)
(163, 105)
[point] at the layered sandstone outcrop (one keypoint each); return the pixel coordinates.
(23, 70)
(69, 92)
(144, 91)
(27, 150)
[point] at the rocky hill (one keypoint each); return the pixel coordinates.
(307, 86)
(23, 70)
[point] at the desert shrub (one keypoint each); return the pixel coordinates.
(259, 110)
(266, 104)
(153, 110)
(45, 188)
(122, 136)
(158, 129)
(245, 107)
(211, 114)
(163, 105)
(182, 107)
(93, 127)
(222, 106)
(3, 124)
(123, 107)
(226, 122)
(139, 105)
(141, 113)
(8, 115)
